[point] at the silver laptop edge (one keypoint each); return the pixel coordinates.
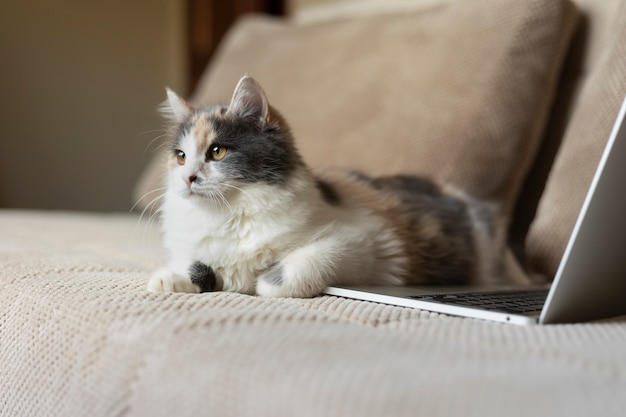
(589, 283)
(595, 251)
(376, 294)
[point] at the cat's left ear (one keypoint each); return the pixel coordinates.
(175, 108)
(249, 100)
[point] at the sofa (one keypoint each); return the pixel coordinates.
(511, 100)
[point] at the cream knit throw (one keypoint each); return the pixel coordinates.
(79, 336)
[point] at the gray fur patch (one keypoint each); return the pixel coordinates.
(256, 152)
(328, 192)
(449, 257)
(203, 276)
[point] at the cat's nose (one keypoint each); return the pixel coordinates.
(190, 179)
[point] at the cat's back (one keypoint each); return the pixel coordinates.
(448, 236)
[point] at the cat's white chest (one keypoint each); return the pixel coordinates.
(236, 262)
(235, 246)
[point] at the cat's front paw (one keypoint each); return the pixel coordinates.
(204, 277)
(288, 280)
(164, 280)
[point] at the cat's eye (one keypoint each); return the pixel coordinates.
(180, 157)
(217, 153)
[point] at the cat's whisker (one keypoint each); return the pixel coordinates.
(156, 190)
(153, 216)
(225, 201)
(154, 140)
(153, 213)
(238, 189)
(150, 209)
(164, 133)
(219, 199)
(150, 206)
(150, 131)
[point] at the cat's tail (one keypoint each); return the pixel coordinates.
(497, 262)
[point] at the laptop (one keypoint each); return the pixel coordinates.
(590, 282)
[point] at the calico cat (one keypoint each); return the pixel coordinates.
(242, 212)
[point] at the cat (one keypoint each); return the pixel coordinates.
(243, 213)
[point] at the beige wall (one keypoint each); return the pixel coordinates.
(299, 6)
(80, 82)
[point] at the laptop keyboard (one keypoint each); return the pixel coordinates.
(515, 302)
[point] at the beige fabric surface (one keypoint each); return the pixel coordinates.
(79, 336)
(459, 91)
(599, 86)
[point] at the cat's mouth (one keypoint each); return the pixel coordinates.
(195, 192)
(210, 194)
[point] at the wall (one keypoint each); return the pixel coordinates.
(304, 6)
(80, 82)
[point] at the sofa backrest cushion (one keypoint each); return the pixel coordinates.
(459, 91)
(595, 85)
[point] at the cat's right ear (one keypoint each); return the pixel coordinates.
(249, 100)
(175, 108)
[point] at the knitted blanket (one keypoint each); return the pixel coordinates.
(79, 336)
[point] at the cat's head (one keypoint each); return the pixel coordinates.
(218, 151)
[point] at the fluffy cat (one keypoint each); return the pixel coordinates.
(242, 212)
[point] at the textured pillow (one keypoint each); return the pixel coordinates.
(459, 91)
(601, 86)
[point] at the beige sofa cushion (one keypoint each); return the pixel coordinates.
(599, 88)
(459, 91)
